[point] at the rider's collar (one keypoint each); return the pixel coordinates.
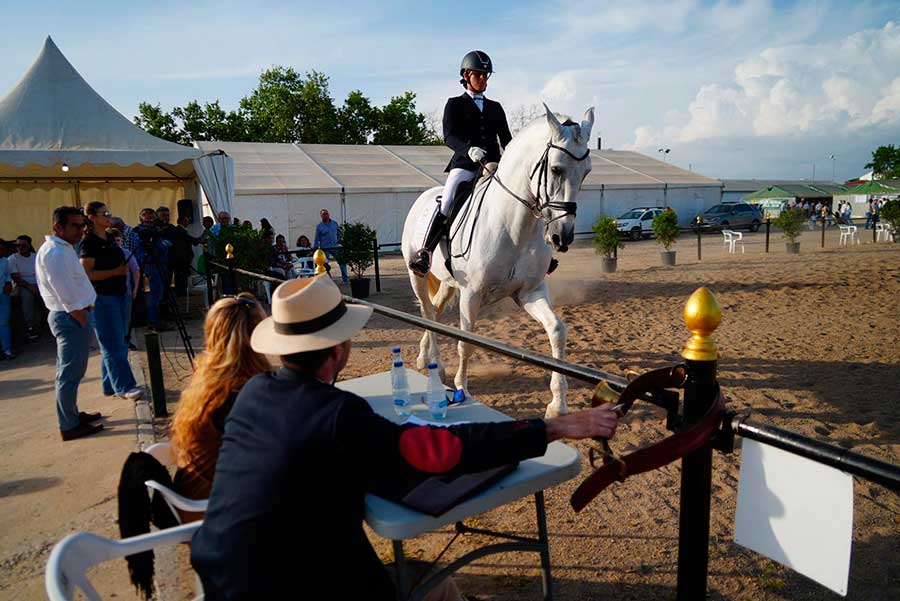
(475, 95)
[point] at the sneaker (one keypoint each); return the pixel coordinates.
(87, 418)
(131, 347)
(133, 395)
(80, 431)
(9, 354)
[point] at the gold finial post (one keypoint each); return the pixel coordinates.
(319, 259)
(229, 251)
(702, 316)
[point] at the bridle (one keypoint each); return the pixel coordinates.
(542, 198)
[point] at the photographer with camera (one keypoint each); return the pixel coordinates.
(152, 250)
(181, 253)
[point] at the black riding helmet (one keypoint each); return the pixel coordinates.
(475, 61)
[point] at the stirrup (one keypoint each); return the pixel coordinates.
(421, 263)
(553, 265)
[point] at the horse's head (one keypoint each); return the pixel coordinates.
(566, 163)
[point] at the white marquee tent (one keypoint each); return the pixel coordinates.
(289, 183)
(61, 143)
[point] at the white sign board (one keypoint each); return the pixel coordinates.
(796, 512)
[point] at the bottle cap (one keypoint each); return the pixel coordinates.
(432, 366)
(396, 349)
(398, 363)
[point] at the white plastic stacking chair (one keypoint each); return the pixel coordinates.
(882, 230)
(304, 267)
(198, 284)
(848, 233)
(162, 452)
(729, 240)
(77, 553)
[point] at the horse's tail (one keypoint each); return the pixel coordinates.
(434, 285)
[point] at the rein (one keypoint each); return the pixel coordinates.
(536, 208)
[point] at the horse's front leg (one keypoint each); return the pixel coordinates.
(469, 306)
(537, 304)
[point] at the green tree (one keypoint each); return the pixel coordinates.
(885, 162)
(400, 123)
(159, 123)
(356, 120)
(211, 122)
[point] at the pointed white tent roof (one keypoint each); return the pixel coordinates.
(53, 116)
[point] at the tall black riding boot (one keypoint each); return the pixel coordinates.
(421, 262)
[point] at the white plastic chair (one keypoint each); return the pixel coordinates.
(882, 230)
(73, 556)
(198, 284)
(304, 267)
(848, 234)
(162, 452)
(733, 238)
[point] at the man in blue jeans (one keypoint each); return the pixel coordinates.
(328, 236)
(68, 294)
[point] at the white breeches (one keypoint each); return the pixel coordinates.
(454, 178)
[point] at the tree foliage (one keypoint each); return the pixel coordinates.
(885, 162)
(287, 106)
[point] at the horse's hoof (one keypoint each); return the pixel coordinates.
(553, 411)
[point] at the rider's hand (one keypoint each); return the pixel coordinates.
(477, 154)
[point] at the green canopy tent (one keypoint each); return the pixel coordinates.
(770, 200)
(874, 188)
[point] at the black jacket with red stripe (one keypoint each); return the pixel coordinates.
(297, 459)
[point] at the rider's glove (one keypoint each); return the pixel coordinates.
(476, 154)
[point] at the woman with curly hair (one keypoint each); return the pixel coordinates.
(222, 370)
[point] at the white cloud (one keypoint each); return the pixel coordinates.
(797, 90)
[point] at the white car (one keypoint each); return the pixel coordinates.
(638, 222)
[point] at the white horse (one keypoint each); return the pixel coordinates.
(501, 246)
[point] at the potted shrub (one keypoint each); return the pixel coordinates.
(606, 240)
(665, 227)
(791, 221)
(356, 252)
(890, 214)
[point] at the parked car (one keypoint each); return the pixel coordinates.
(734, 215)
(637, 222)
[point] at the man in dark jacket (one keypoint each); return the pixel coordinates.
(299, 455)
(473, 125)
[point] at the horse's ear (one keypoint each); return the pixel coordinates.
(587, 123)
(553, 122)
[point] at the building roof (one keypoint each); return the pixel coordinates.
(752, 185)
(262, 168)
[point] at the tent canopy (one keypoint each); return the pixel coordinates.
(266, 169)
(53, 116)
(874, 187)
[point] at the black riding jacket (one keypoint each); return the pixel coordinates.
(465, 126)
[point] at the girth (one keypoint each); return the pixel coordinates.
(653, 456)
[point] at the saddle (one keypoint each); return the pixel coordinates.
(464, 190)
(654, 456)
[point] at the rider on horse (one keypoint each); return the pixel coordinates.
(472, 126)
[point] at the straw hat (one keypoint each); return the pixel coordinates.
(307, 315)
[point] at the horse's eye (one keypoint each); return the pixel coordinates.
(556, 171)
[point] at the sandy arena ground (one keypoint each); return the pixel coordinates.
(809, 342)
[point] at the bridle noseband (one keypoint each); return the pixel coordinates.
(542, 198)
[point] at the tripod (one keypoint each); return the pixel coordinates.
(151, 264)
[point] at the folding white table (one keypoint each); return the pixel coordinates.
(395, 522)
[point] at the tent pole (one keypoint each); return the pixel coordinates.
(77, 193)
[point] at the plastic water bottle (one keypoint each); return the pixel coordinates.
(436, 395)
(400, 389)
(395, 355)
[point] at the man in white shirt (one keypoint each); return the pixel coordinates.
(70, 297)
(21, 266)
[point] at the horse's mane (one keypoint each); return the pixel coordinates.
(540, 123)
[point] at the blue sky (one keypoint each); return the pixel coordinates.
(735, 89)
